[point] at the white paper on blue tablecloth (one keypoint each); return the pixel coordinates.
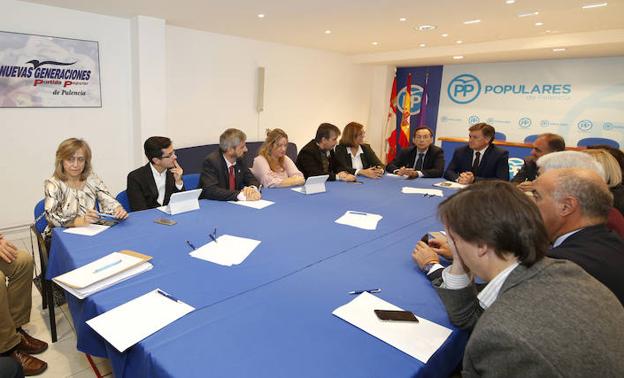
(419, 340)
(359, 219)
(396, 176)
(90, 230)
(260, 204)
(298, 189)
(450, 185)
(431, 192)
(228, 250)
(133, 321)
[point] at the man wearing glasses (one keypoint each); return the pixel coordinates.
(153, 184)
(423, 159)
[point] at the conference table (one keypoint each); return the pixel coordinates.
(272, 314)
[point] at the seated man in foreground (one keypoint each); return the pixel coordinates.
(536, 317)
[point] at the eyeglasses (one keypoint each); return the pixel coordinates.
(172, 154)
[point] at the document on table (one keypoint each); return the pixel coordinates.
(396, 176)
(450, 185)
(260, 204)
(228, 250)
(419, 340)
(298, 189)
(90, 230)
(429, 192)
(359, 219)
(133, 321)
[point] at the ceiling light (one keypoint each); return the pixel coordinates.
(445, 35)
(402, 19)
(510, 1)
(597, 5)
(374, 43)
(426, 27)
(422, 45)
(327, 31)
(260, 15)
(457, 57)
(472, 22)
(559, 49)
(528, 14)
(459, 42)
(539, 24)
(548, 31)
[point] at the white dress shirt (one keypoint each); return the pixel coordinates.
(563, 237)
(474, 154)
(161, 183)
(356, 161)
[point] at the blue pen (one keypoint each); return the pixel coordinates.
(362, 291)
(213, 236)
(191, 245)
(167, 295)
(358, 213)
(107, 266)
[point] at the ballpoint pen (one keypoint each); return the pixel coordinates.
(190, 245)
(372, 291)
(167, 295)
(213, 236)
(107, 266)
(358, 213)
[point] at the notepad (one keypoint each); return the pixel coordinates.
(260, 204)
(430, 192)
(228, 250)
(133, 321)
(90, 230)
(419, 340)
(450, 185)
(359, 219)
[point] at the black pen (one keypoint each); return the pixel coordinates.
(358, 212)
(372, 291)
(213, 236)
(191, 245)
(167, 295)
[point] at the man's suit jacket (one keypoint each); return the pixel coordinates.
(215, 178)
(142, 192)
(309, 161)
(549, 320)
(600, 252)
(528, 172)
(433, 164)
(343, 159)
(493, 164)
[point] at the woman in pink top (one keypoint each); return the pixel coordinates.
(272, 167)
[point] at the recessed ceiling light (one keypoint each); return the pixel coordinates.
(539, 24)
(548, 31)
(597, 5)
(459, 42)
(422, 45)
(472, 22)
(510, 1)
(559, 49)
(426, 27)
(374, 43)
(402, 19)
(528, 14)
(327, 31)
(260, 15)
(457, 57)
(445, 35)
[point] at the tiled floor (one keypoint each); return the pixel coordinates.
(63, 359)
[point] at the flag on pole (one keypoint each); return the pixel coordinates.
(423, 103)
(391, 125)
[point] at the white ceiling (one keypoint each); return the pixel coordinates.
(355, 24)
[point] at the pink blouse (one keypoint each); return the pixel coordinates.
(269, 178)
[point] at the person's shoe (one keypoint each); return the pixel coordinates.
(31, 365)
(29, 344)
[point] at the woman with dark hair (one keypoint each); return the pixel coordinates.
(356, 157)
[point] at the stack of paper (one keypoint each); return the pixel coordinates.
(90, 230)
(419, 340)
(228, 250)
(359, 219)
(429, 192)
(133, 321)
(103, 273)
(260, 204)
(450, 185)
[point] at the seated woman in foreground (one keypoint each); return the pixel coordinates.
(272, 167)
(73, 190)
(356, 157)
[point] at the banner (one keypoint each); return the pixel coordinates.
(576, 98)
(38, 71)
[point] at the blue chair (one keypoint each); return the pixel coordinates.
(191, 181)
(530, 139)
(122, 198)
(592, 141)
(500, 136)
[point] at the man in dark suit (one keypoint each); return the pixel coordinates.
(423, 159)
(480, 159)
(544, 144)
(153, 184)
(532, 305)
(317, 157)
(575, 204)
(225, 177)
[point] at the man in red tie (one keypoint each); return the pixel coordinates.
(225, 177)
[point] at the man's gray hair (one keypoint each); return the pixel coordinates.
(570, 159)
(594, 197)
(231, 138)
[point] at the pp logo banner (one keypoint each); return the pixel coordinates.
(464, 88)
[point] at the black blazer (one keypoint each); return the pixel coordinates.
(528, 172)
(600, 252)
(310, 164)
(142, 192)
(433, 165)
(493, 165)
(343, 159)
(215, 178)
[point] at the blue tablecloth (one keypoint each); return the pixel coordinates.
(271, 315)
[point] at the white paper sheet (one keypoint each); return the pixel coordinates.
(450, 185)
(431, 192)
(419, 340)
(260, 204)
(106, 283)
(133, 321)
(298, 189)
(396, 176)
(228, 250)
(359, 219)
(90, 230)
(98, 270)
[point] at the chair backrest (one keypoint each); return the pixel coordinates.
(122, 198)
(42, 223)
(500, 136)
(530, 139)
(592, 141)
(191, 181)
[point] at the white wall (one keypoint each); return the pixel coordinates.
(30, 136)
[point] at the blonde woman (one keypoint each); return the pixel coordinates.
(73, 190)
(613, 175)
(272, 167)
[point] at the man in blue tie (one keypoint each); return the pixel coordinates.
(423, 159)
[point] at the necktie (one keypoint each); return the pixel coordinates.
(232, 178)
(475, 163)
(419, 162)
(324, 162)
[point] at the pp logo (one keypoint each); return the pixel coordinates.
(525, 122)
(473, 119)
(585, 125)
(416, 95)
(464, 89)
(544, 123)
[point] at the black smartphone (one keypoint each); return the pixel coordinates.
(401, 316)
(165, 221)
